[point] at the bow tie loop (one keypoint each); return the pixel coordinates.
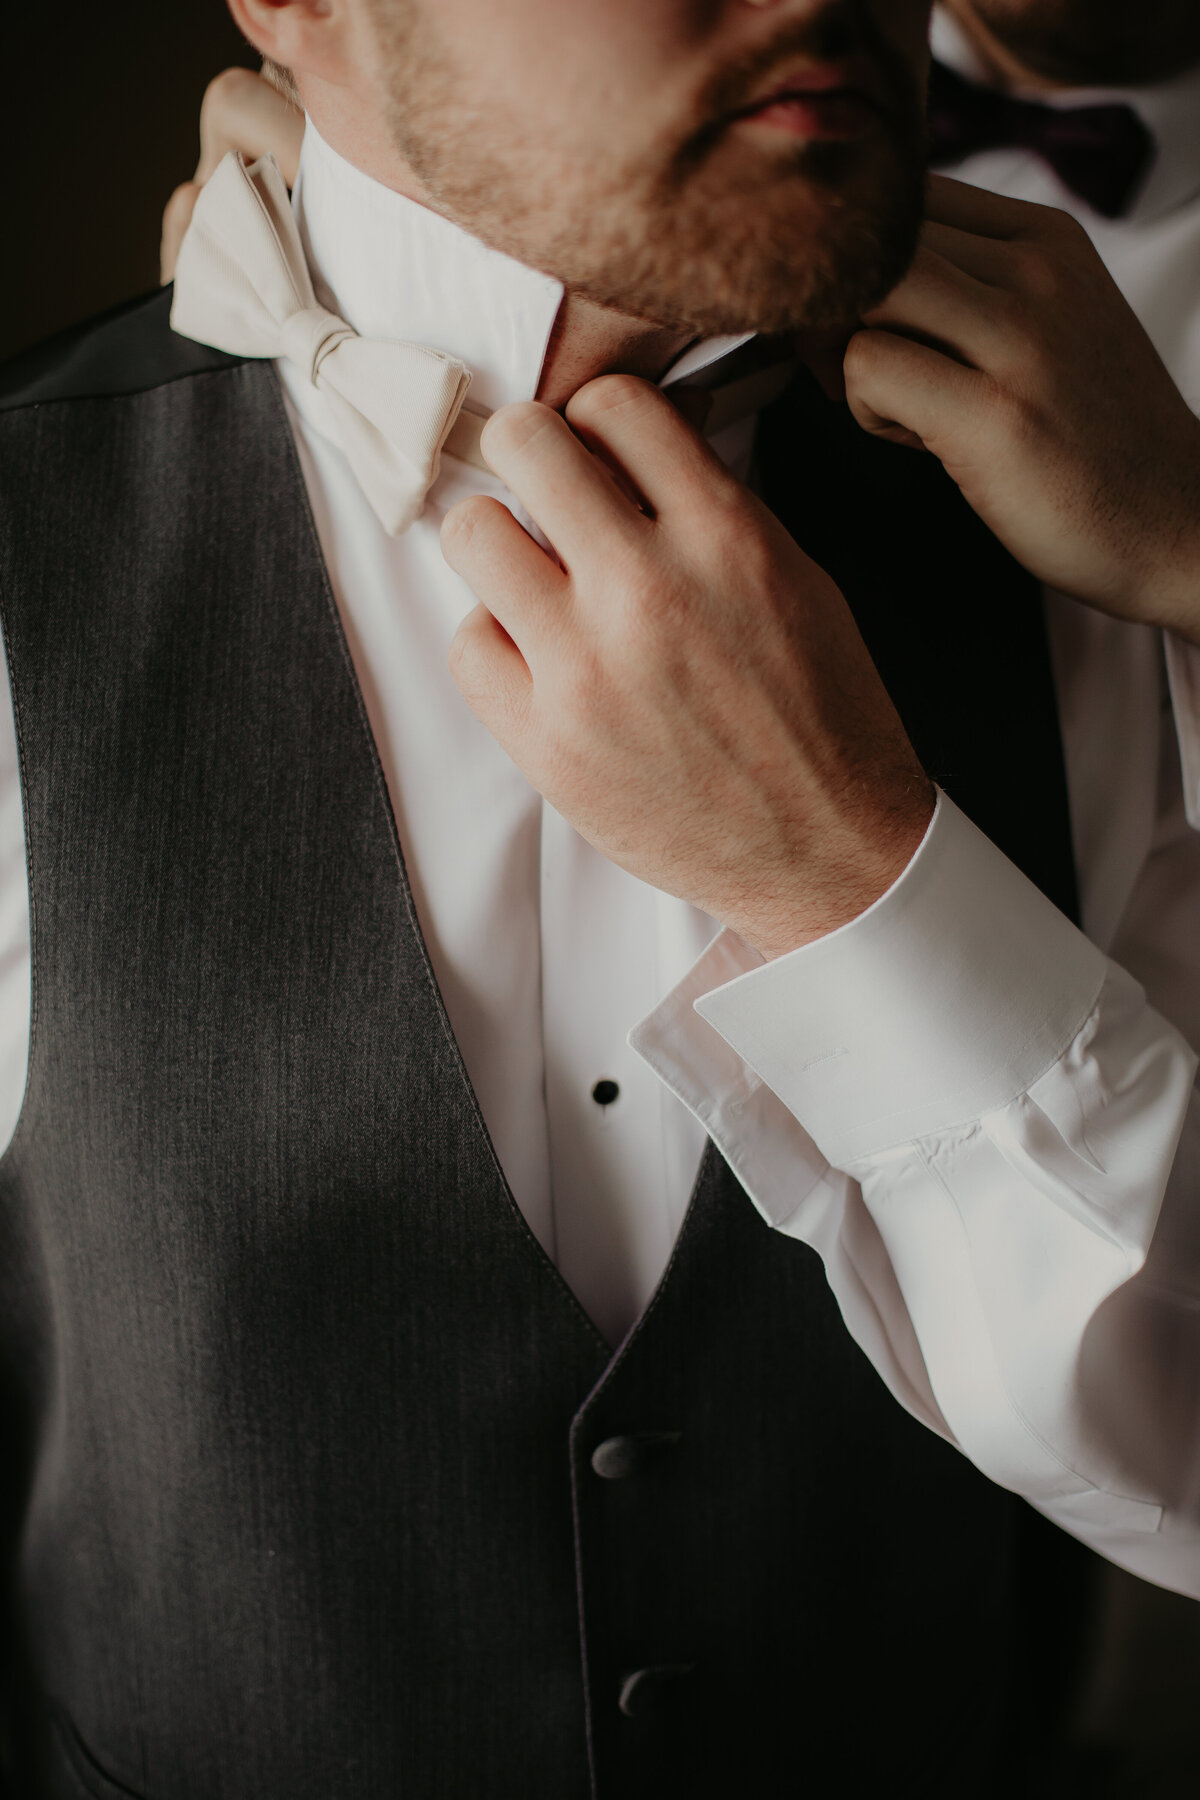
(309, 336)
(242, 285)
(1102, 153)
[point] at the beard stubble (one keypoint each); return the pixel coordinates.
(688, 233)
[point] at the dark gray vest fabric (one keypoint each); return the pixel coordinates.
(298, 1420)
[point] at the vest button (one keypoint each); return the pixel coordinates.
(652, 1690)
(632, 1454)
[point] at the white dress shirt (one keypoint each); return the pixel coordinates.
(965, 1107)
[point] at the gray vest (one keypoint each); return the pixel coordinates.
(317, 1481)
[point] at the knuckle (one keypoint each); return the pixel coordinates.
(1039, 271)
(608, 394)
(1060, 227)
(1016, 317)
(226, 92)
(514, 428)
(464, 520)
(724, 519)
(1014, 413)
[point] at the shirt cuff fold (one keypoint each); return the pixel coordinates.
(945, 1000)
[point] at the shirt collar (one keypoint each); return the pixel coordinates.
(1169, 110)
(393, 268)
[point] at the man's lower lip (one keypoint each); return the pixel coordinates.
(817, 116)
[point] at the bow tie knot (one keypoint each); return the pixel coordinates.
(1100, 152)
(309, 336)
(242, 284)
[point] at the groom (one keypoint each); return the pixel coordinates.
(403, 1394)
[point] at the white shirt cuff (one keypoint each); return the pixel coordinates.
(945, 1000)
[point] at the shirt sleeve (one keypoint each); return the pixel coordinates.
(992, 1140)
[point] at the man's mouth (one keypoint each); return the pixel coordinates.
(826, 101)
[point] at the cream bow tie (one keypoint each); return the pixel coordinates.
(242, 285)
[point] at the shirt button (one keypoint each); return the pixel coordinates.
(605, 1092)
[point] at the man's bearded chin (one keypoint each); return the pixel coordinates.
(808, 239)
(811, 250)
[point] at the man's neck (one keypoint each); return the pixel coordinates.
(590, 340)
(587, 340)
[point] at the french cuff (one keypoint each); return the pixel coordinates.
(945, 1000)
(1183, 679)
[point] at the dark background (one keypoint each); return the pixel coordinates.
(99, 123)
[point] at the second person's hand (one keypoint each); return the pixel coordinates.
(1009, 353)
(240, 111)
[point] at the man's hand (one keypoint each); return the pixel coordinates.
(240, 111)
(687, 688)
(1009, 353)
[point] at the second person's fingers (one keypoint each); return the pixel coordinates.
(941, 303)
(241, 111)
(177, 216)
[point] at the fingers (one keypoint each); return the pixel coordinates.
(177, 216)
(988, 260)
(241, 111)
(559, 482)
(634, 423)
(967, 208)
(506, 570)
(491, 674)
(910, 393)
(941, 303)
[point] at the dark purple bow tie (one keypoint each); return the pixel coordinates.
(1100, 152)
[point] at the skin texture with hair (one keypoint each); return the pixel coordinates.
(635, 185)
